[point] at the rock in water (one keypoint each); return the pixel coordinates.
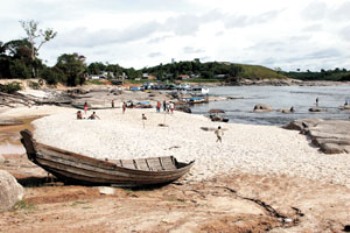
(10, 191)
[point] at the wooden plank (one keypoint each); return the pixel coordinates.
(142, 164)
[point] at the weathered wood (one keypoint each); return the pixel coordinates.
(72, 167)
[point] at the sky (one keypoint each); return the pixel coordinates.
(279, 34)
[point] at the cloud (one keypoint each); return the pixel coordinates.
(232, 21)
(155, 54)
(323, 53)
(159, 39)
(341, 12)
(345, 33)
(315, 11)
(144, 33)
(191, 50)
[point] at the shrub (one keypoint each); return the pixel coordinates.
(10, 88)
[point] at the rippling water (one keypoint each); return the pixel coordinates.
(240, 110)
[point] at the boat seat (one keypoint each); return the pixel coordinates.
(149, 164)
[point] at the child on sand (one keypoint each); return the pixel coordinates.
(94, 116)
(219, 133)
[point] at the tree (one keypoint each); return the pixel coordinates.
(73, 67)
(15, 59)
(34, 36)
(53, 76)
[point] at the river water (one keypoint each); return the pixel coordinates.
(239, 109)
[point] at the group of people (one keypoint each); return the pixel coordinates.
(93, 116)
(168, 107)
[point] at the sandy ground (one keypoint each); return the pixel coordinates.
(252, 181)
(261, 150)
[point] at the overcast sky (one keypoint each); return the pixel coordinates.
(304, 34)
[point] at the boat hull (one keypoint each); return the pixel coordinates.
(71, 167)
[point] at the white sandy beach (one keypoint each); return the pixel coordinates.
(266, 150)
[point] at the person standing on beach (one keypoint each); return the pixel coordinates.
(124, 107)
(317, 102)
(171, 107)
(219, 133)
(144, 118)
(85, 107)
(112, 103)
(164, 105)
(158, 106)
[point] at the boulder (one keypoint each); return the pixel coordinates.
(262, 108)
(302, 124)
(315, 109)
(286, 110)
(10, 191)
(345, 107)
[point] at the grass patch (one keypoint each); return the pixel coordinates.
(76, 203)
(259, 72)
(23, 205)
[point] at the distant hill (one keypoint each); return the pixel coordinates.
(227, 72)
(259, 72)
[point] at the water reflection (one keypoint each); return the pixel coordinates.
(10, 137)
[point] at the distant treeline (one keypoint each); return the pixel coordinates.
(326, 75)
(71, 69)
(194, 69)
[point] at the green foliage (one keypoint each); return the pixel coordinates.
(73, 67)
(202, 80)
(23, 205)
(133, 74)
(209, 70)
(329, 75)
(96, 68)
(95, 82)
(10, 88)
(53, 76)
(19, 70)
(259, 72)
(34, 85)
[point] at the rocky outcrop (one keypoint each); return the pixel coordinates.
(10, 191)
(262, 108)
(302, 125)
(273, 82)
(331, 136)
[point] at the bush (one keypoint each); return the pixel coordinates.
(52, 76)
(10, 88)
(34, 85)
(19, 70)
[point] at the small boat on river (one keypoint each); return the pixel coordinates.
(74, 168)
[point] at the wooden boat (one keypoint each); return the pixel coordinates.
(71, 167)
